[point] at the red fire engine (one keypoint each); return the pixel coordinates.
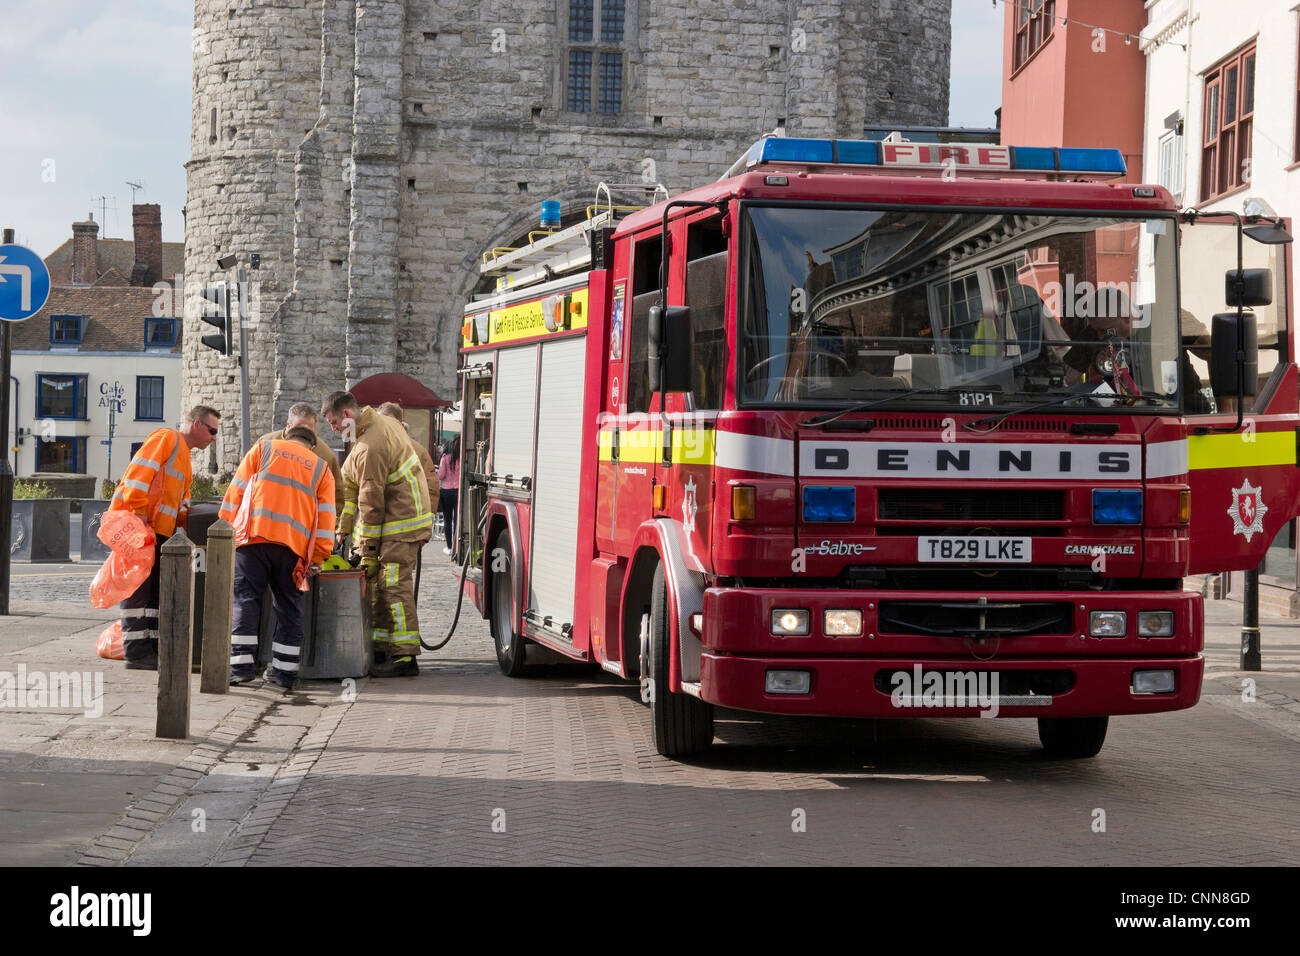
(872, 429)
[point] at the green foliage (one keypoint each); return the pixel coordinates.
(24, 488)
(204, 487)
(106, 488)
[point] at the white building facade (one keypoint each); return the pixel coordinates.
(65, 404)
(1222, 105)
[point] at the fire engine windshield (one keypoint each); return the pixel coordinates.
(958, 308)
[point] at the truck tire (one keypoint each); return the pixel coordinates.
(683, 725)
(1072, 737)
(511, 647)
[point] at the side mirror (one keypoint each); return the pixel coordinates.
(671, 347)
(1253, 286)
(1226, 376)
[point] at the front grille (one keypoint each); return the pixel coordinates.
(1012, 424)
(970, 504)
(956, 578)
(925, 424)
(976, 618)
(1040, 683)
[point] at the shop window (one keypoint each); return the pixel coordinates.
(1280, 559)
(61, 455)
(61, 396)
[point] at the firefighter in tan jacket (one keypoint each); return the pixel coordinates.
(393, 410)
(386, 504)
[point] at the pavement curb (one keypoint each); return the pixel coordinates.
(115, 845)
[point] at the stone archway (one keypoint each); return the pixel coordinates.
(514, 229)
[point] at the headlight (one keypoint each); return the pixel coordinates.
(842, 623)
(1155, 623)
(788, 682)
(1154, 682)
(789, 621)
(1108, 623)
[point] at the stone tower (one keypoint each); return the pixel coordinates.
(369, 150)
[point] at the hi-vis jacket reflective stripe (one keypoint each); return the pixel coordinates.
(324, 451)
(385, 491)
(292, 498)
(157, 482)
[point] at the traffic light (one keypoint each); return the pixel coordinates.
(216, 311)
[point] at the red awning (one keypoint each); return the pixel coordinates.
(395, 387)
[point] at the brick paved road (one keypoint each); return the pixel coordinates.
(419, 770)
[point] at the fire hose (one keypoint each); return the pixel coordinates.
(460, 594)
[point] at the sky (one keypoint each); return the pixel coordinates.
(95, 94)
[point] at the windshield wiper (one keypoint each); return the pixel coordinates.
(994, 421)
(819, 420)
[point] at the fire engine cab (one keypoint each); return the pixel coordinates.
(871, 429)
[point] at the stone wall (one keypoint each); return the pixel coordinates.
(379, 146)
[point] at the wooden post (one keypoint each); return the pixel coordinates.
(175, 636)
(218, 597)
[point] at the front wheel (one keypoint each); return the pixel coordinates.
(1072, 737)
(683, 725)
(510, 645)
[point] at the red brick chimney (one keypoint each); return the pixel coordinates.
(85, 251)
(147, 220)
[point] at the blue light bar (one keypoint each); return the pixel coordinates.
(1122, 506)
(981, 157)
(858, 152)
(1034, 157)
(778, 149)
(829, 503)
(1091, 161)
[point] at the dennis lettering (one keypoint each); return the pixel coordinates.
(973, 460)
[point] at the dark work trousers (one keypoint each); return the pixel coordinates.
(447, 508)
(259, 566)
(140, 614)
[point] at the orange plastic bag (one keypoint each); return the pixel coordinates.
(109, 644)
(124, 529)
(129, 565)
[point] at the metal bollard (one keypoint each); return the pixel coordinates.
(175, 636)
(218, 600)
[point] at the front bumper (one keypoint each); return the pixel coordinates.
(1063, 674)
(850, 687)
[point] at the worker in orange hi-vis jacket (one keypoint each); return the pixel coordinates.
(156, 486)
(281, 504)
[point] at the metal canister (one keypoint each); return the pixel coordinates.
(336, 639)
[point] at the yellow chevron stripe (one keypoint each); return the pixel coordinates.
(691, 446)
(1234, 451)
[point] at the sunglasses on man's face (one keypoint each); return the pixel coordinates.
(211, 430)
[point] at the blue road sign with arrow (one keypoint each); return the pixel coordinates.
(24, 283)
